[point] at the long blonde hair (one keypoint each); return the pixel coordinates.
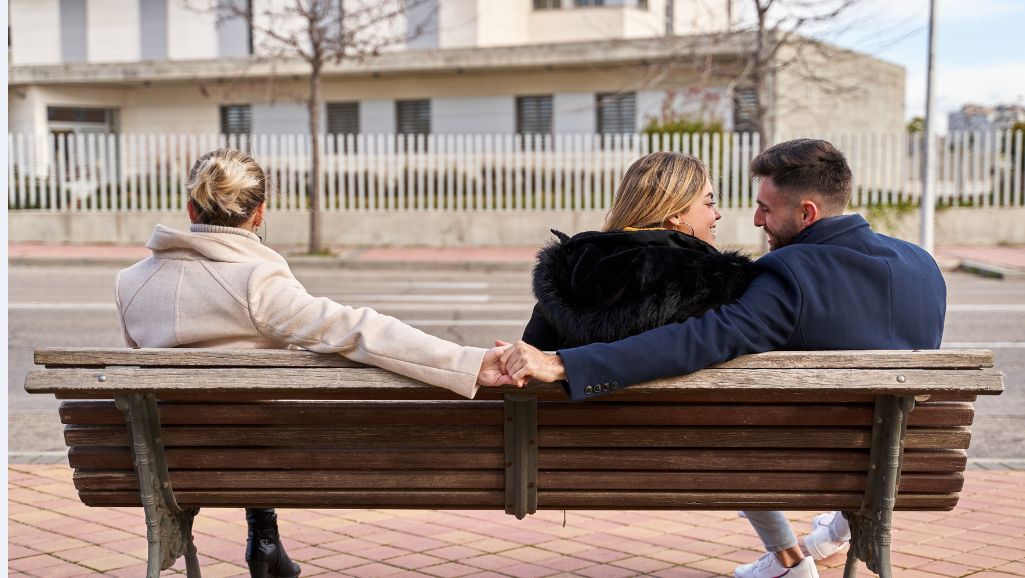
(654, 188)
(226, 186)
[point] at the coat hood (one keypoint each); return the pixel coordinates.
(210, 242)
(604, 286)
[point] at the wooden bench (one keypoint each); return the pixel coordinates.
(261, 428)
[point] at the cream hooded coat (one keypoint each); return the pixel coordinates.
(220, 287)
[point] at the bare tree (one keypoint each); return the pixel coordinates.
(323, 33)
(773, 36)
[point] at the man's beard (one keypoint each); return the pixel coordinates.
(782, 236)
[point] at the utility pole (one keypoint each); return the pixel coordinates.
(928, 200)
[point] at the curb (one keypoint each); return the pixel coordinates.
(990, 271)
(303, 262)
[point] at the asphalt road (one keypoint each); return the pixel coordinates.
(73, 306)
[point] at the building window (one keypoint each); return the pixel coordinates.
(745, 109)
(547, 4)
(236, 119)
(62, 119)
(617, 112)
(413, 116)
(343, 118)
(534, 114)
(642, 4)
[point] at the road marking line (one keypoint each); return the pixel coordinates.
(983, 345)
(61, 306)
(1001, 308)
(466, 322)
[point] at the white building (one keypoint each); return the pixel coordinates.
(976, 118)
(481, 66)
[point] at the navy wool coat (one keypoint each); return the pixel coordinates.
(839, 285)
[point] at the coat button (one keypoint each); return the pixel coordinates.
(604, 387)
(588, 389)
(615, 385)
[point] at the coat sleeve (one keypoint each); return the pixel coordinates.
(764, 318)
(283, 311)
(127, 339)
(539, 332)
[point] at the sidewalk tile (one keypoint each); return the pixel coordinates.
(526, 570)
(566, 563)
(449, 570)
(490, 562)
(946, 568)
(642, 564)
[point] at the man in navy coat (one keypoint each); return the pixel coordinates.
(829, 282)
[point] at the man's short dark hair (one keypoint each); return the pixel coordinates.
(807, 166)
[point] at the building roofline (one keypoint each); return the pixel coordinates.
(405, 62)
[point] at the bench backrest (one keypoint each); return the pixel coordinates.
(783, 430)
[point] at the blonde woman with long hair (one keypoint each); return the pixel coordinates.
(218, 286)
(654, 262)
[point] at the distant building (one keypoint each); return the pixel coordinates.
(976, 118)
(485, 66)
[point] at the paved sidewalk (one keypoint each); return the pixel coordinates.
(53, 535)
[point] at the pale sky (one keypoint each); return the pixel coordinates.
(980, 49)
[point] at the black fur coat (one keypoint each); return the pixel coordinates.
(601, 287)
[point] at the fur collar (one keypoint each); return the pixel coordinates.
(600, 287)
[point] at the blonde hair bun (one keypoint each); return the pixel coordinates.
(226, 186)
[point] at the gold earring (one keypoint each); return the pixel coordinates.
(691, 229)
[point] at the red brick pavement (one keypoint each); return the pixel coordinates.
(51, 534)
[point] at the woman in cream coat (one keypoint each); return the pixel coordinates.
(218, 286)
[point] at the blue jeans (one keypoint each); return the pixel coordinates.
(776, 535)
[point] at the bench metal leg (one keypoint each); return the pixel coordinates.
(520, 454)
(870, 525)
(168, 526)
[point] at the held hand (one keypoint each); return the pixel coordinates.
(490, 374)
(523, 361)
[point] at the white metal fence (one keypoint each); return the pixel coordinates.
(136, 172)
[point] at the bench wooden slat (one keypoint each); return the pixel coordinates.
(373, 383)
(295, 458)
(495, 479)
(569, 500)
(879, 359)
(420, 499)
(603, 459)
(353, 437)
(484, 413)
(310, 479)
(544, 395)
(548, 437)
(790, 501)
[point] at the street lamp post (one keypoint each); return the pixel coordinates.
(928, 199)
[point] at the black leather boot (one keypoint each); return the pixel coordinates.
(265, 554)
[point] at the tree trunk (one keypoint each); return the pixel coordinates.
(760, 77)
(313, 107)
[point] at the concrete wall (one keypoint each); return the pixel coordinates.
(191, 34)
(282, 118)
(493, 228)
(862, 94)
(573, 112)
(473, 115)
(457, 23)
(503, 23)
(377, 116)
(113, 30)
(35, 31)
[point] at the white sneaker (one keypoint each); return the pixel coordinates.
(769, 567)
(819, 544)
